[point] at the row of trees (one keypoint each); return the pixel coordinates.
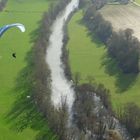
(96, 24)
(120, 1)
(65, 51)
(122, 45)
(100, 3)
(84, 3)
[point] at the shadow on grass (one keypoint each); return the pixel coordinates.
(25, 113)
(91, 34)
(123, 81)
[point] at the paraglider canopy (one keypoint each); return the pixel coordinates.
(6, 27)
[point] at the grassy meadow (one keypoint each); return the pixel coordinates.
(88, 56)
(28, 12)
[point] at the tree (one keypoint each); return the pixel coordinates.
(97, 25)
(99, 3)
(125, 48)
(131, 118)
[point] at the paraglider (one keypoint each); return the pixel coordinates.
(6, 27)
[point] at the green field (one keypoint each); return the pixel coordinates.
(138, 1)
(88, 56)
(28, 12)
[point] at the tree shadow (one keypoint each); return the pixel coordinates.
(123, 81)
(25, 112)
(91, 34)
(95, 39)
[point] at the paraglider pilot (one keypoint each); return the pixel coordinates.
(14, 55)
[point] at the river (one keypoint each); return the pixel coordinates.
(61, 87)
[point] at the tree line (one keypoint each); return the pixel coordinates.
(65, 51)
(121, 45)
(100, 3)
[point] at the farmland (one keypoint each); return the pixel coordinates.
(123, 16)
